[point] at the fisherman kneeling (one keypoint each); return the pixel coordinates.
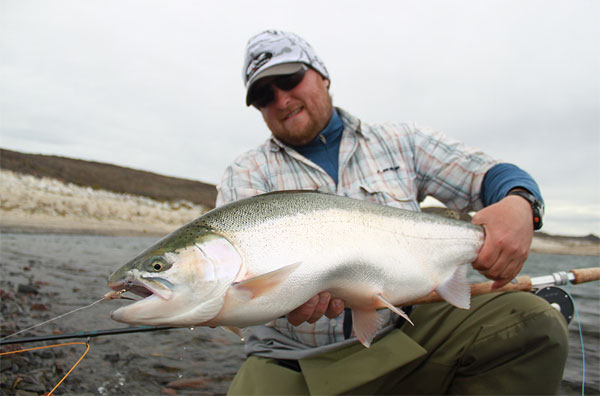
(507, 343)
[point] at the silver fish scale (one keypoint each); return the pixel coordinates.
(350, 247)
(251, 212)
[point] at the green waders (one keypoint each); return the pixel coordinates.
(507, 343)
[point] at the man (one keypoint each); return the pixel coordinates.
(506, 343)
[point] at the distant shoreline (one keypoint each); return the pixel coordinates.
(10, 224)
(42, 205)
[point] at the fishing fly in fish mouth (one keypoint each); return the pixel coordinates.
(251, 261)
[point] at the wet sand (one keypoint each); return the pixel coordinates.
(46, 275)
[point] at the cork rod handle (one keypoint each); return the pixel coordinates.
(586, 274)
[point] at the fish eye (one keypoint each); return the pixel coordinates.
(157, 264)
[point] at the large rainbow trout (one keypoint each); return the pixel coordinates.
(256, 259)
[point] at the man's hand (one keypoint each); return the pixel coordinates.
(508, 233)
(313, 309)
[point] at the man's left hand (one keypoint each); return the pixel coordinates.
(508, 233)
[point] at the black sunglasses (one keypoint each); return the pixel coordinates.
(262, 94)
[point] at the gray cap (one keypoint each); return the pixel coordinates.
(275, 47)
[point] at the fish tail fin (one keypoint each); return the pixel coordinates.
(455, 289)
(365, 324)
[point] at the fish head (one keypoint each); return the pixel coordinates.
(183, 279)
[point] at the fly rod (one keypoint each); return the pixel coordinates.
(86, 334)
(522, 283)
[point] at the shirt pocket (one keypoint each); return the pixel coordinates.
(390, 188)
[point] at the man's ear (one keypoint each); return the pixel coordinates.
(327, 82)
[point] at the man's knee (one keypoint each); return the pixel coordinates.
(527, 328)
(528, 316)
(261, 376)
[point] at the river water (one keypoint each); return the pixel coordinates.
(58, 273)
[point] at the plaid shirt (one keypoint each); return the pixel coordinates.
(394, 164)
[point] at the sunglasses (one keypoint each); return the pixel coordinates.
(262, 94)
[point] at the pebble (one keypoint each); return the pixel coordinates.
(27, 289)
(39, 307)
(112, 357)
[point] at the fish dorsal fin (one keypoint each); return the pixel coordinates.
(365, 324)
(455, 289)
(264, 283)
(397, 310)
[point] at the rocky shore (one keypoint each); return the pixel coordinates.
(30, 204)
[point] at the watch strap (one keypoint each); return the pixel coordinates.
(537, 206)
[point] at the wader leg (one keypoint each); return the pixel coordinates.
(262, 376)
(507, 343)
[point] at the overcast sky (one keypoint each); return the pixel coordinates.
(156, 85)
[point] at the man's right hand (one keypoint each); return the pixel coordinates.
(315, 308)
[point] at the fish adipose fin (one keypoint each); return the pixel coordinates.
(264, 283)
(456, 290)
(365, 324)
(394, 309)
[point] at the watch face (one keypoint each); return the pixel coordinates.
(538, 212)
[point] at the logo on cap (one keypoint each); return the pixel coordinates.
(256, 63)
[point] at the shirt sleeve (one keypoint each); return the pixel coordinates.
(242, 179)
(448, 170)
(502, 178)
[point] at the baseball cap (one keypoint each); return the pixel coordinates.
(275, 52)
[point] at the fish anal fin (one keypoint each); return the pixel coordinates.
(365, 324)
(455, 289)
(264, 283)
(397, 310)
(235, 330)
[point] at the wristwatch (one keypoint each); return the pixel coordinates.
(537, 206)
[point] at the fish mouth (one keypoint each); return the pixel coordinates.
(142, 288)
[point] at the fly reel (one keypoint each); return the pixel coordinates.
(559, 299)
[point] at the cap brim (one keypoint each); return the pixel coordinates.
(276, 70)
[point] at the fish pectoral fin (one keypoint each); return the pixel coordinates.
(456, 290)
(365, 324)
(397, 310)
(264, 283)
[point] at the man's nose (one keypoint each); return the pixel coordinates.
(281, 98)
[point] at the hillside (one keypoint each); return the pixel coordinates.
(108, 177)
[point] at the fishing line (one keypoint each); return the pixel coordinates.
(581, 340)
(53, 319)
(54, 346)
